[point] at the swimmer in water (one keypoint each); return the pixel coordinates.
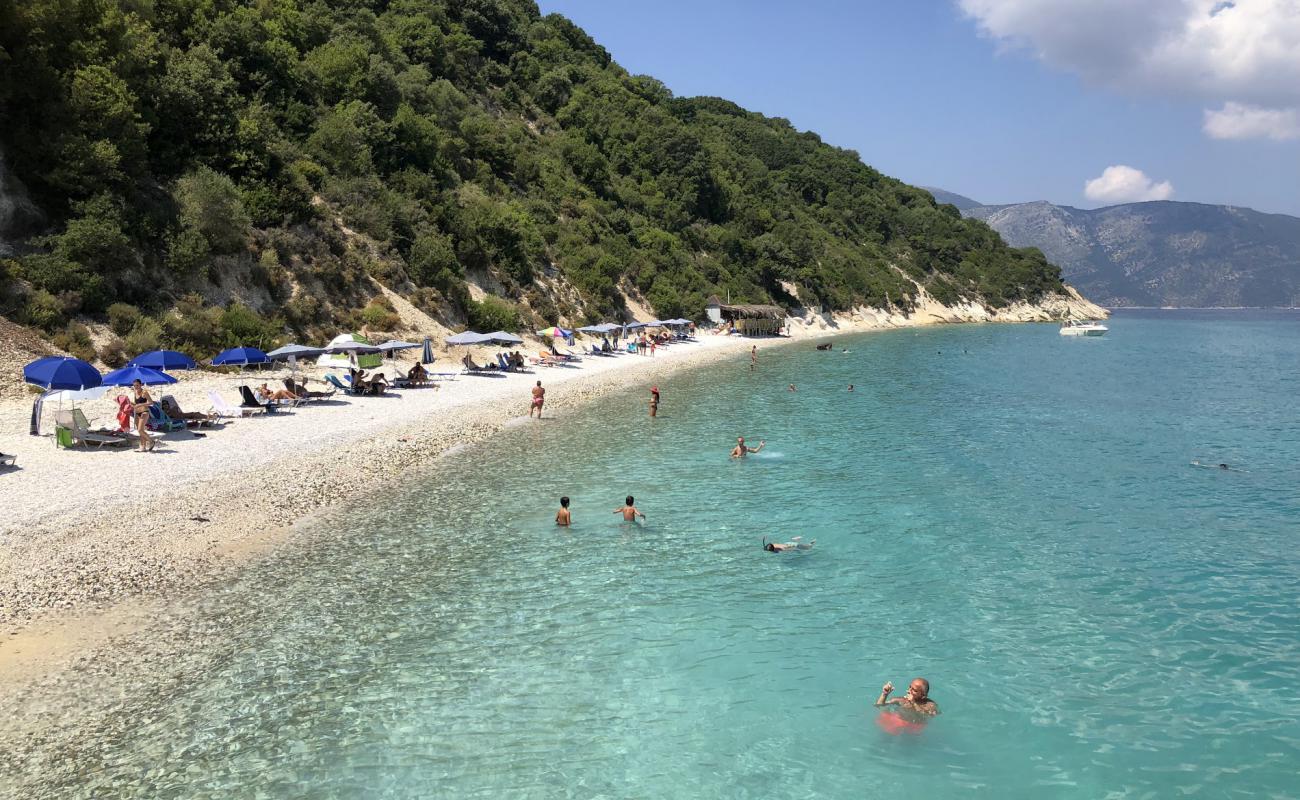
(791, 387)
(850, 387)
(629, 510)
(1224, 467)
(562, 517)
(740, 450)
(794, 544)
(916, 699)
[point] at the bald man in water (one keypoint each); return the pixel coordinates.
(740, 450)
(917, 697)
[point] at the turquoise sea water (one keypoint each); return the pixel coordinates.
(1010, 513)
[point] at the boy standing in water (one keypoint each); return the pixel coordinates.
(629, 510)
(562, 517)
(654, 401)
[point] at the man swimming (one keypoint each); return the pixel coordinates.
(629, 510)
(740, 450)
(794, 544)
(562, 517)
(916, 699)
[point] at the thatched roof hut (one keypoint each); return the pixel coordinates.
(748, 318)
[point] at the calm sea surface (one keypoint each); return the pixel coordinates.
(1010, 513)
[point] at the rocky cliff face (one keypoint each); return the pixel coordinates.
(1161, 253)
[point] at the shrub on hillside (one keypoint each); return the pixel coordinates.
(210, 205)
(379, 315)
(75, 339)
(42, 310)
(492, 314)
(145, 336)
(189, 326)
(113, 353)
(122, 317)
(242, 326)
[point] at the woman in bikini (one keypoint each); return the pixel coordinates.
(140, 406)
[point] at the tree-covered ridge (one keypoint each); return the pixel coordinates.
(197, 151)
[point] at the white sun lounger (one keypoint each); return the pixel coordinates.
(223, 409)
(79, 435)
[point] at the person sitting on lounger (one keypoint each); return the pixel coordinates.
(359, 383)
(417, 373)
(517, 360)
(468, 361)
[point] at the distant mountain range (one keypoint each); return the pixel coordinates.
(1159, 253)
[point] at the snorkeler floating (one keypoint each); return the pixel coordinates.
(794, 544)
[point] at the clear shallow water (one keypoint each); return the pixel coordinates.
(1010, 513)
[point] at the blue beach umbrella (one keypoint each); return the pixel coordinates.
(61, 372)
(130, 374)
(163, 360)
(239, 357)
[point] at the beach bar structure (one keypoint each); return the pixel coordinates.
(748, 319)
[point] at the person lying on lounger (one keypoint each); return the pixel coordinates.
(173, 409)
(266, 394)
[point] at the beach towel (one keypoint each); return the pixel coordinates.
(125, 412)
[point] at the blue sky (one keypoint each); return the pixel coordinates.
(986, 98)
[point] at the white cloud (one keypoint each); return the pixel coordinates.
(1239, 121)
(1217, 51)
(1121, 184)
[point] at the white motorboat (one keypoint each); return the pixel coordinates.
(1079, 328)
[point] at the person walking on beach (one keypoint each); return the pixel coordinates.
(140, 408)
(562, 517)
(740, 450)
(916, 699)
(629, 510)
(539, 399)
(654, 401)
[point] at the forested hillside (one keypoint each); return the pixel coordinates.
(201, 172)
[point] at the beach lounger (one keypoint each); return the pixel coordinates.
(159, 421)
(68, 433)
(76, 420)
(251, 401)
(306, 394)
(174, 411)
(7, 460)
(348, 388)
(223, 409)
